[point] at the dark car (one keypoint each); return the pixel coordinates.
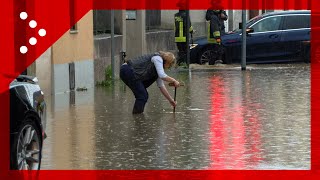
(27, 123)
(272, 37)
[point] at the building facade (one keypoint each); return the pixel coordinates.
(79, 58)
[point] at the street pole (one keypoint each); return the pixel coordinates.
(112, 46)
(244, 39)
(187, 36)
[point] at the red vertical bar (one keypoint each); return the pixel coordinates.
(4, 132)
(315, 85)
(6, 43)
(6, 68)
(6, 51)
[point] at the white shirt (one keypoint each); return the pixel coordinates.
(158, 63)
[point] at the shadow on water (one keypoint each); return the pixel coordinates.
(225, 119)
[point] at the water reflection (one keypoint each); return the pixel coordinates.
(225, 119)
(70, 144)
(234, 125)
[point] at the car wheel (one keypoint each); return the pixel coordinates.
(26, 150)
(206, 55)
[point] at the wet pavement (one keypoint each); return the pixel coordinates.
(225, 119)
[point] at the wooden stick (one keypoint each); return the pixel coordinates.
(174, 99)
(175, 94)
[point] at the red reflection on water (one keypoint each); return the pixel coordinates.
(234, 142)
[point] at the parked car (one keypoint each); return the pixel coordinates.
(27, 123)
(272, 37)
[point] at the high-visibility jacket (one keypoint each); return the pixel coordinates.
(214, 26)
(180, 24)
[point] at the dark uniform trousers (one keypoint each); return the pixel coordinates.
(182, 54)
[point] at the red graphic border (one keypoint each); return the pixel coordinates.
(52, 16)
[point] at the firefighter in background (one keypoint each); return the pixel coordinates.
(223, 17)
(180, 29)
(214, 35)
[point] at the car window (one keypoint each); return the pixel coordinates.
(268, 24)
(251, 21)
(297, 22)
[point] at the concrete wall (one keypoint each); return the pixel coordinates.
(84, 76)
(135, 35)
(102, 55)
(236, 19)
(160, 40)
(167, 19)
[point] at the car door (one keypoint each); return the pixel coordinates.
(263, 44)
(296, 36)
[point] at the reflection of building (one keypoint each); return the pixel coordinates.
(70, 132)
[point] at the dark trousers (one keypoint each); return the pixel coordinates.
(137, 87)
(182, 54)
(217, 53)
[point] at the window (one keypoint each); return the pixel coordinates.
(131, 14)
(297, 22)
(101, 22)
(268, 24)
(153, 19)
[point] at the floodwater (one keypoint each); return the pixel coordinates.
(225, 119)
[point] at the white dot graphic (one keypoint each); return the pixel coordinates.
(33, 41)
(33, 24)
(23, 49)
(42, 32)
(23, 15)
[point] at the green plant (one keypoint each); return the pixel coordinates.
(107, 77)
(183, 65)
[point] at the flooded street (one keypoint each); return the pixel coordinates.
(225, 119)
